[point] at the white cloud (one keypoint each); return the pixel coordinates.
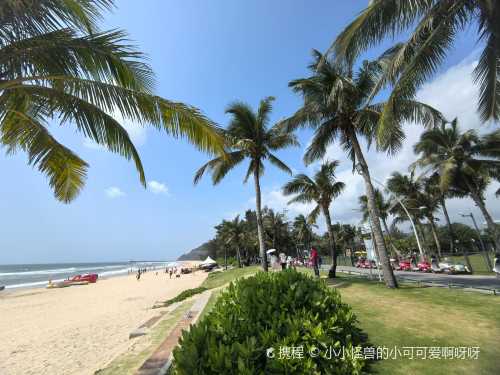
(114, 192)
(157, 187)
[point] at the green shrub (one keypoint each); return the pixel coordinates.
(271, 310)
(182, 296)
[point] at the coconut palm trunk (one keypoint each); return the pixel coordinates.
(421, 234)
(479, 201)
(260, 226)
(331, 237)
(390, 280)
(448, 224)
(435, 235)
(391, 242)
(238, 254)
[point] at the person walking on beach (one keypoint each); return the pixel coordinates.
(315, 261)
(170, 272)
(138, 277)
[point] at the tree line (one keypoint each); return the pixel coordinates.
(58, 65)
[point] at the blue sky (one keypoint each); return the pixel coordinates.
(205, 53)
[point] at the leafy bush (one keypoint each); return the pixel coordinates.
(272, 310)
(182, 296)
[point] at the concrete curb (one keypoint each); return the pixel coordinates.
(161, 360)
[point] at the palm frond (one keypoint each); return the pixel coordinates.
(65, 170)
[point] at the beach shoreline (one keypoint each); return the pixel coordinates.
(79, 329)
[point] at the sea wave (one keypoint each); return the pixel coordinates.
(59, 270)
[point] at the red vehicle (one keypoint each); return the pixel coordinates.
(424, 266)
(404, 265)
(90, 277)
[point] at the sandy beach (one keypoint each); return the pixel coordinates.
(78, 330)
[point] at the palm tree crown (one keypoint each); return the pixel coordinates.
(437, 24)
(303, 230)
(56, 66)
(382, 204)
(322, 189)
(248, 136)
(465, 162)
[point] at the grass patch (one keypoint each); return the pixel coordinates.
(432, 317)
(477, 262)
(143, 347)
(217, 279)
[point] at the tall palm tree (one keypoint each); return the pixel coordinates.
(408, 189)
(303, 230)
(338, 105)
(464, 161)
(232, 234)
(437, 24)
(248, 136)
(322, 189)
(56, 66)
(383, 206)
(275, 227)
(429, 201)
(442, 196)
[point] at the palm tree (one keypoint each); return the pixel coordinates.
(429, 201)
(464, 161)
(57, 66)
(383, 206)
(338, 105)
(276, 228)
(249, 137)
(322, 189)
(442, 196)
(232, 233)
(408, 189)
(303, 230)
(437, 23)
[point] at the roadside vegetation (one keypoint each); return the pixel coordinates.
(429, 317)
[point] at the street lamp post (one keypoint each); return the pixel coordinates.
(485, 253)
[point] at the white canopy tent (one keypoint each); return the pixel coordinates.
(209, 262)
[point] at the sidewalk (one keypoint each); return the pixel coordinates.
(161, 360)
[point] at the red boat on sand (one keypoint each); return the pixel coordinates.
(89, 277)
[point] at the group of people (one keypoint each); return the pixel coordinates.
(282, 261)
(173, 271)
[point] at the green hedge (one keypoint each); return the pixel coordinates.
(271, 310)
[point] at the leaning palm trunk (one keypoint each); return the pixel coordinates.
(333, 248)
(448, 224)
(489, 220)
(391, 242)
(260, 226)
(390, 280)
(435, 235)
(373, 240)
(421, 234)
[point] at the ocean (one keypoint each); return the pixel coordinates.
(37, 275)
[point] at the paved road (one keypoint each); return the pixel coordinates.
(473, 281)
